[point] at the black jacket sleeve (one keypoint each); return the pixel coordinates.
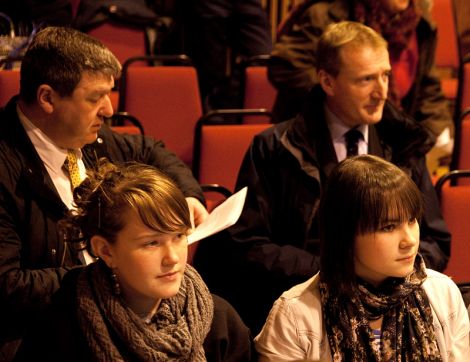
(229, 339)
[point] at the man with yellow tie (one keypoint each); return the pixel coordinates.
(49, 135)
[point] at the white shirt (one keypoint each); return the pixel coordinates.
(338, 129)
(53, 158)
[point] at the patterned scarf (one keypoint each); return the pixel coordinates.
(407, 325)
(115, 333)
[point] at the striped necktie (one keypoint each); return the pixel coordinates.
(71, 167)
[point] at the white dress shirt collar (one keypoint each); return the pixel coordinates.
(337, 130)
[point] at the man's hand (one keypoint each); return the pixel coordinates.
(198, 212)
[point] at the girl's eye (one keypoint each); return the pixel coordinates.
(387, 228)
(180, 237)
(152, 243)
(412, 221)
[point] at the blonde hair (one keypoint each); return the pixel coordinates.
(338, 35)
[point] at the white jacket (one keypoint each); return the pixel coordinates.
(294, 329)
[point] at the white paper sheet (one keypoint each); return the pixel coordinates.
(223, 216)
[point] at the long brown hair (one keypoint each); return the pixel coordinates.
(360, 194)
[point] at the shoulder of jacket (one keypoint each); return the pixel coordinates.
(439, 287)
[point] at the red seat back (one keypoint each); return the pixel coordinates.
(222, 150)
(166, 100)
(455, 202)
(9, 85)
(124, 42)
(447, 49)
(462, 149)
(259, 92)
(465, 87)
(447, 54)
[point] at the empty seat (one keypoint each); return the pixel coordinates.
(258, 91)
(124, 42)
(219, 151)
(455, 201)
(447, 52)
(465, 86)
(461, 154)
(166, 100)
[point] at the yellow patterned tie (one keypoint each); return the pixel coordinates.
(71, 165)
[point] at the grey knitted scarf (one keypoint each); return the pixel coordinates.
(115, 333)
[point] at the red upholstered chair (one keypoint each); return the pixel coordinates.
(455, 206)
(219, 149)
(465, 85)
(464, 151)
(259, 92)
(166, 99)
(461, 153)
(124, 42)
(447, 50)
(9, 85)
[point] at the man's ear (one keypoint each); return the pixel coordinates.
(45, 97)
(102, 249)
(327, 82)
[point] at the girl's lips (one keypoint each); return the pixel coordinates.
(407, 258)
(169, 276)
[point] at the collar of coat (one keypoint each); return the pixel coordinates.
(400, 136)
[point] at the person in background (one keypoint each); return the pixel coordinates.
(140, 300)
(411, 36)
(274, 245)
(66, 78)
(373, 299)
(217, 33)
